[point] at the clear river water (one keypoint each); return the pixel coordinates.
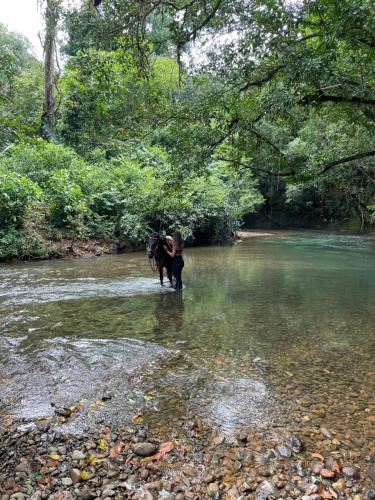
(275, 334)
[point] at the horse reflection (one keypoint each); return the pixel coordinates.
(169, 312)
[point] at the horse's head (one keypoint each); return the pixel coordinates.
(153, 241)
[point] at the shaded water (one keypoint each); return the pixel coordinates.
(276, 333)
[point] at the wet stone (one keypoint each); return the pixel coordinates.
(78, 455)
(144, 449)
(295, 444)
(350, 472)
(108, 493)
(66, 481)
(284, 451)
(326, 433)
(265, 490)
(316, 468)
(264, 471)
(212, 489)
(75, 475)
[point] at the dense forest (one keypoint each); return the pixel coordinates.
(196, 114)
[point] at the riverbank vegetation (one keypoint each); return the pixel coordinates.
(196, 115)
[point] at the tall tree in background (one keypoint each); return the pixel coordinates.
(52, 14)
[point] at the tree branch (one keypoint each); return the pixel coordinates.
(263, 80)
(341, 161)
(311, 98)
(255, 169)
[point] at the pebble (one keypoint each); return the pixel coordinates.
(350, 472)
(75, 475)
(66, 481)
(327, 474)
(284, 451)
(144, 449)
(147, 496)
(108, 493)
(295, 444)
(265, 489)
(212, 489)
(78, 455)
(326, 433)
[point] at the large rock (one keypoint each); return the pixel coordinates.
(144, 449)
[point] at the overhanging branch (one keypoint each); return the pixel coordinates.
(315, 98)
(347, 159)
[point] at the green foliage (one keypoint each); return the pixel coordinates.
(121, 199)
(106, 101)
(16, 192)
(21, 89)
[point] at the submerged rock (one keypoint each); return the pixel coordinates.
(350, 472)
(265, 489)
(295, 444)
(326, 433)
(284, 451)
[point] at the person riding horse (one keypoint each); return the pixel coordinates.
(156, 251)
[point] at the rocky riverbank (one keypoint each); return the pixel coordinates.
(39, 462)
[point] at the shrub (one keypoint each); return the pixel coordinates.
(16, 192)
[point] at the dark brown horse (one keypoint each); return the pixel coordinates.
(159, 259)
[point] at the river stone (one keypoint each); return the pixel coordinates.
(265, 489)
(86, 494)
(316, 468)
(147, 496)
(371, 474)
(295, 444)
(144, 449)
(212, 489)
(78, 455)
(108, 493)
(326, 433)
(284, 451)
(350, 472)
(370, 494)
(66, 481)
(22, 468)
(75, 475)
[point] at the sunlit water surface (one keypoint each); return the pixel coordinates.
(264, 333)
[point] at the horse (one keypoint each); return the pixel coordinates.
(158, 256)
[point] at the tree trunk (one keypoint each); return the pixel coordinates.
(48, 116)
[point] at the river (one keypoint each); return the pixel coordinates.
(274, 334)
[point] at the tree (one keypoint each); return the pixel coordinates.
(52, 15)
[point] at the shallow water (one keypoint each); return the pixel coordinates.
(265, 333)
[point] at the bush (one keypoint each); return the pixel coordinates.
(48, 191)
(16, 192)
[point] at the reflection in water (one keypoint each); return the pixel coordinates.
(169, 313)
(267, 331)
